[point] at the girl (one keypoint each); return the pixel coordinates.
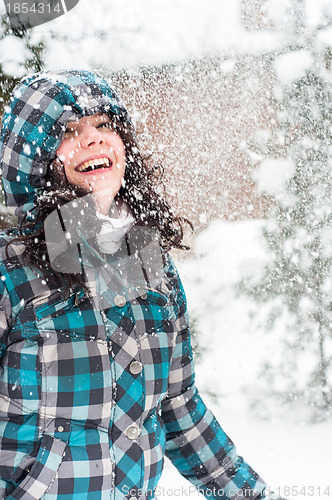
(97, 378)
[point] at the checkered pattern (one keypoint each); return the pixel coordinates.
(68, 395)
(76, 421)
(37, 481)
(34, 123)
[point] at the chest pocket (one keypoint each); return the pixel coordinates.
(57, 306)
(155, 307)
(71, 315)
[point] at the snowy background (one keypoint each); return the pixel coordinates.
(231, 342)
(117, 34)
(120, 34)
(287, 451)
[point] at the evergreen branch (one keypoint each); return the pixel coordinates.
(326, 24)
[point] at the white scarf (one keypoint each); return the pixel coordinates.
(114, 228)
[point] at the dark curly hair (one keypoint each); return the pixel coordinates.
(140, 188)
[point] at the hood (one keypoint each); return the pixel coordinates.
(34, 122)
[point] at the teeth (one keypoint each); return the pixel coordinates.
(94, 163)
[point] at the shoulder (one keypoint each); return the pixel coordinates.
(171, 269)
(5, 238)
(174, 280)
(15, 275)
(11, 251)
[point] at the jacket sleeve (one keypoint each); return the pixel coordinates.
(195, 442)
(5, 317)
(5, 325)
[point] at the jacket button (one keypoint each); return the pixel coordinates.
(120, 300)
(135, 367)
(141, 293)
(132, 432)
(60, 428)
(77, 299)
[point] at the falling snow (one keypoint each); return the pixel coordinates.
(232, 98)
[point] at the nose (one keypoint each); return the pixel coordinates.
(91, 136)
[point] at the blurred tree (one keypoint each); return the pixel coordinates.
(33, 57)
(298, 276)
(33, 62)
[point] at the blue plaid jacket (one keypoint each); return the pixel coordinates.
(92, 398)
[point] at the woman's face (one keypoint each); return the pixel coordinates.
(93, 156)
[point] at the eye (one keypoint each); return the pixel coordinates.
(104, 125)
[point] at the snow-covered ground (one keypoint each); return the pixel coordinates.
(294, 458)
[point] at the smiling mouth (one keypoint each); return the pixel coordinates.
(90, 165)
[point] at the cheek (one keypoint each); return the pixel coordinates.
(122, 160)
(121, 165)
(121, 169)
(116, 145)
(65, 152)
